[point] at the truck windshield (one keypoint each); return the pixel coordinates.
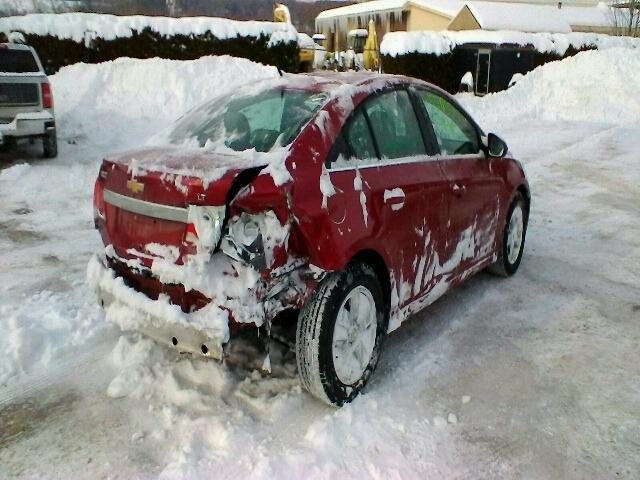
(17, 61)
(262, 121)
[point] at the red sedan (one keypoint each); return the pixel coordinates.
(352, 200)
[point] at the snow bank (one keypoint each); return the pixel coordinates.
(592, 86)
(123, 101)
(47, 312)
(80, 26)
(441, 43)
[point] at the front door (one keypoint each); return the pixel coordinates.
(474, 189)
(398, 188)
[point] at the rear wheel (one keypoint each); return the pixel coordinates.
(339, 334)
(50, 145)
(513, 237)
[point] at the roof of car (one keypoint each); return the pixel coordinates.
(357, 78)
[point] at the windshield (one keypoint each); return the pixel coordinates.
(17, 61)
(262, 121)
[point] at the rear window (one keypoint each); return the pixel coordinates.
(262, 121)
(17, 61)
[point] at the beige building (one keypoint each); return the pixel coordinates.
(533, 17)
(388, 15)
(415, 15)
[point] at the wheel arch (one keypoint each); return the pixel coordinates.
(526, 193)
(379, 266)
(523, 188)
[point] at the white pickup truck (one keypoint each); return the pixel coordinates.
(26, 100)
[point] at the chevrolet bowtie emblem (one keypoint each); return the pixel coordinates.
(135, 187)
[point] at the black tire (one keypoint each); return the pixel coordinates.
(314, 335)
(502, 266)
(50, 145)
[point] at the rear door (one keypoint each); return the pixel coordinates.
(474, 189)
(399, 187)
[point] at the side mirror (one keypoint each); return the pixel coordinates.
(496, 147)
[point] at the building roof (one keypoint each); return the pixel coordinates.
(444, 7)
(519, 17)
(490, 15)
(534, 18)
(596, 16)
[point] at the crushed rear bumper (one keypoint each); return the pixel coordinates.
(203, 332)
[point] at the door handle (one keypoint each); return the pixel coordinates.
(394, 198)
(459, 189)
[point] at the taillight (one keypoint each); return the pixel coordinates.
(98, 202)
(204, 226)
(47, 96)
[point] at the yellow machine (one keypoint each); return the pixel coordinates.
(307, 46)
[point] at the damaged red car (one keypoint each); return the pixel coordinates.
(349, 200)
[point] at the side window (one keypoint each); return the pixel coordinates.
(358, 137)
(395, 125)
(354, 142)
(455, 134)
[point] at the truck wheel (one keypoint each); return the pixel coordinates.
(50, 145)
(339, 334)
(513, 235)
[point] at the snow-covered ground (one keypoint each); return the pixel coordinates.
(537, 376)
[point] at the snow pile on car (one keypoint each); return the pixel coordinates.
(594, 86)
(120, 103)
(80, 27)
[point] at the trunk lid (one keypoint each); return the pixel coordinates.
(148, 198)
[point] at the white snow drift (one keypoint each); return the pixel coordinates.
(120, 103)
(593, 86)
(100, 109)
(533, 377)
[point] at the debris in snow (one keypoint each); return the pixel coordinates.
(467, 80)
(266, 365)
(452, 418)
(439, 422)
(515, 78)
(466, 399)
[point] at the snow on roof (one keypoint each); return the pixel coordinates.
(596, 16)
(74, 25)
(441, 43)
(362, 8)
(444, 7)
(519, 17)
(538, 18)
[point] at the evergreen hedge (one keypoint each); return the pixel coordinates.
(56, 53)
(445, 70)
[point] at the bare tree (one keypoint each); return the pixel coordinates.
(625, 18)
